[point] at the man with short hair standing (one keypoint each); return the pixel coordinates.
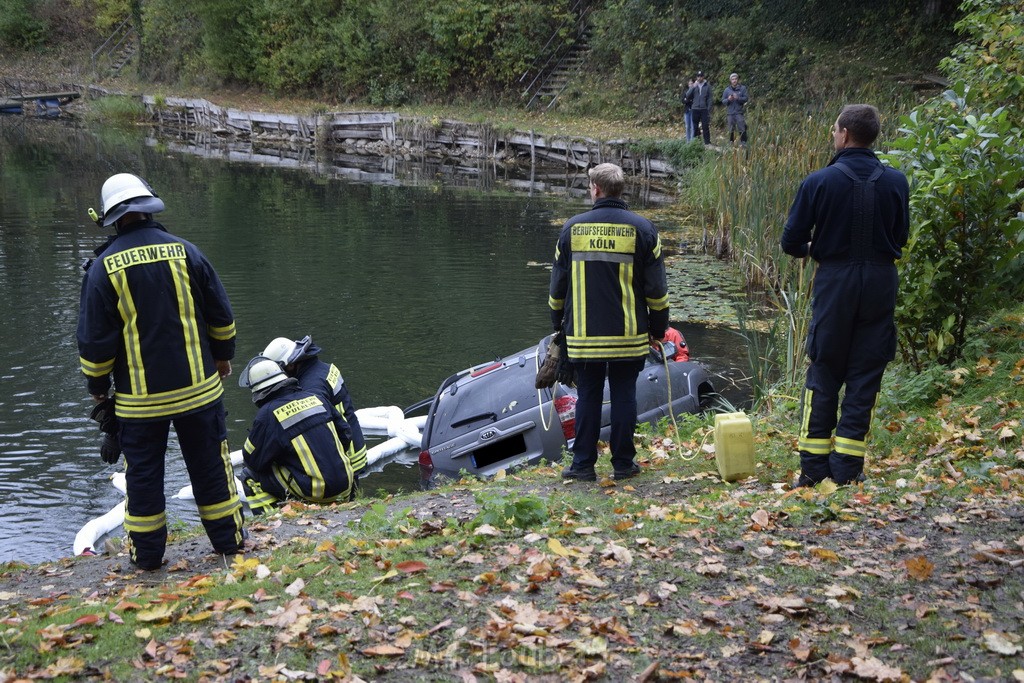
(852, 217)
(699, 96)
(609, 295)
(734, 97)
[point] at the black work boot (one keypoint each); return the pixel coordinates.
(579, 473)
(846, 469)
(814, 469)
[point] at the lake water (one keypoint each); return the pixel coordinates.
(402, 281)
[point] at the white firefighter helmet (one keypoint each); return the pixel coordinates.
(262, 376)
(285, 351)
(281, 349)
(125, 192)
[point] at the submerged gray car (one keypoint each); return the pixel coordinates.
(490, 417)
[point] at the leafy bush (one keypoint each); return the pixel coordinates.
(19, 26)
(682, 154)
(963, 153)
(992, 55)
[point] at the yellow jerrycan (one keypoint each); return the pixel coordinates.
(734, 446)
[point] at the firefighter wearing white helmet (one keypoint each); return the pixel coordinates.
(124, 193)
(297, 446)
(301, 360)
(156, 325)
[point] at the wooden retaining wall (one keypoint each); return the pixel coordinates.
(385, 132)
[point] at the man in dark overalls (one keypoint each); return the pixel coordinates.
(852, 217)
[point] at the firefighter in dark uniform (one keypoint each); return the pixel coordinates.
(609, 295)
(301, 360)
(852, 218)
(155, 315)
(296, 447)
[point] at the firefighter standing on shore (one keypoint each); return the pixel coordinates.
(852, 217)
(155, 316)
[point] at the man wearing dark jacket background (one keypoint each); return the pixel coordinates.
(699, 97)
(852, 217)
(610, 296)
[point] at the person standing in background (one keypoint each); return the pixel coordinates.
(734, 97)
(688, 110)
(699, 95)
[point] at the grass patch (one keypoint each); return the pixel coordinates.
(117, 110)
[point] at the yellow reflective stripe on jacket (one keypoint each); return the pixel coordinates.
(92, 369)
(168, 403)
(603, 348)
(310, 467)
(187, 313)
(221, 333)
(579, 297)
(556, 304)
(659, 304)
(357, 458)
(350, 475)
(130, 333)
(628, 302)
(147, 524)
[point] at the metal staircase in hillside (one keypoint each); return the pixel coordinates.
(116, 51)
(560, 59)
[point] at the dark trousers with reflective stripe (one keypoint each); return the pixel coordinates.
(590, 378)
(851, 340)
(203, 440)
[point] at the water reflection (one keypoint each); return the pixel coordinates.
(401, 283)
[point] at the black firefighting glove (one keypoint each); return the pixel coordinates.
(110, 446)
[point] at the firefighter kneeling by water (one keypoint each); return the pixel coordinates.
(298, 446)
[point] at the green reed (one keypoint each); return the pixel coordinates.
(756, 185)
(754, 188)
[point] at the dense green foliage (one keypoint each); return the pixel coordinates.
(964, 153)
(785, 51)
(390, 51)
(19, 26)
(383, 50)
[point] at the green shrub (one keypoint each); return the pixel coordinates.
(118, 110)
(682, 154)
(19, 26)
(963, 258)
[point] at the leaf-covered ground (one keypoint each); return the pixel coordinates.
(674, 574)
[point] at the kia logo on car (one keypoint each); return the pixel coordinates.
(488, 434)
